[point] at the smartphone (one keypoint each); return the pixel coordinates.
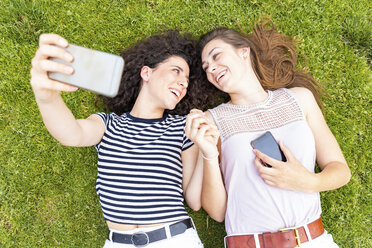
(94, 70)
(267, 144)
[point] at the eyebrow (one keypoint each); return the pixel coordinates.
(180, 68)
(210, 52)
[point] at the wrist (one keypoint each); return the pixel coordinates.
(47, 100)
(210, 157)
(313, 182)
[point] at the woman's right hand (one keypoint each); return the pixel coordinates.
(46, 89)
(203, 132)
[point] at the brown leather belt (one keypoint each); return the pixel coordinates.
(284, 238)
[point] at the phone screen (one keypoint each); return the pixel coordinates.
(94, 70)
(267, 144)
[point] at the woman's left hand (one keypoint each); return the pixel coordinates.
(290, 175)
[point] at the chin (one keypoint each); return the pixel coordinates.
(225, 87)
(170, 106)
(220, 87)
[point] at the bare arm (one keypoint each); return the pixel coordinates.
(192, 177)
(201, 129)
(335, 171)
(214, 196)
(57, 117)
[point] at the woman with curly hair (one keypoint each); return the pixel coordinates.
(265, 202)
(146, 164)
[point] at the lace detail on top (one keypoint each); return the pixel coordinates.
(279, 109)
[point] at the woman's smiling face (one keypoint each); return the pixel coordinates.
(168, 82)
(223, 64)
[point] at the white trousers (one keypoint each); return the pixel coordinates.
(323, 241)
(188, 239)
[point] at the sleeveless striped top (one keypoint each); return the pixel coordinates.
(139, 177)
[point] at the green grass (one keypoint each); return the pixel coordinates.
(47, 191)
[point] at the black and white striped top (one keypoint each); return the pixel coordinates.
(139, 177)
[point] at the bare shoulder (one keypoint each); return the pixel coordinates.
(209, 116)
(301, 92)
(305, 98)
(97, 123)
(97, 119)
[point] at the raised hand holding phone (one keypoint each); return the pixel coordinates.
(46, 89)
(94, 70)
(57, 117)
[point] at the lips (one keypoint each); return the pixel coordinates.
(176, 92)
(220, 75)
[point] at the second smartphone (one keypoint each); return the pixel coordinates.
(267, 144)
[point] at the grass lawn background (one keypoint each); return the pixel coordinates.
(47, 191)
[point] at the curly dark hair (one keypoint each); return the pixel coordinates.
(151, 52)
(273, 58)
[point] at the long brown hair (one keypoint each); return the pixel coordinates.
(273, 57)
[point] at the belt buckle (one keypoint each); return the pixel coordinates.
(137, 240)
(298, 241)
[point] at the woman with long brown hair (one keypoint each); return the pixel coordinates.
(265, 202)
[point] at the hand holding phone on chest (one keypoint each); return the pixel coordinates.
(267, 144)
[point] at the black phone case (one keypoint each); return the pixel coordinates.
(267, 144)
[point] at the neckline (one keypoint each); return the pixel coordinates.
(138, 119)
(265, 102)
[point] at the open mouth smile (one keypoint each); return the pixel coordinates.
(220, 75)
(176, 92)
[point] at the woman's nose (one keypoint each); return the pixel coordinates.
(183, 83)
(211, 68)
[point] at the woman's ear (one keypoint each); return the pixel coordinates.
(245, 52)
(146, 73)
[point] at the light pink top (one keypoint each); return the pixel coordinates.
(254, 206)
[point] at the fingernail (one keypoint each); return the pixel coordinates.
(62, 42)
(69, 70)
(69, 57)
